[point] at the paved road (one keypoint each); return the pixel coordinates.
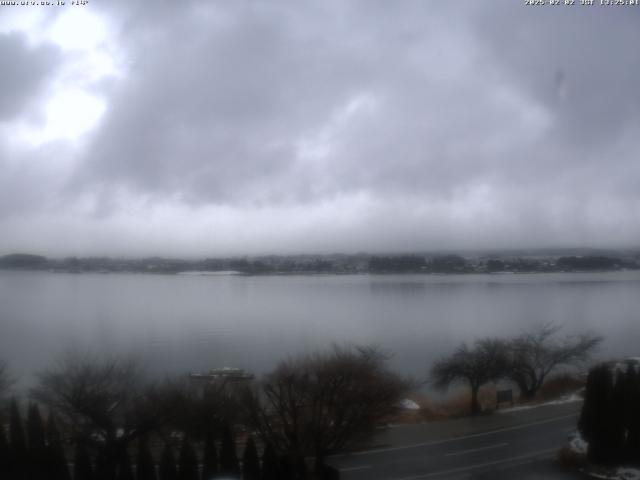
(521, 445)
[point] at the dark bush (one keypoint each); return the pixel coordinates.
(609, 420)
(633, 415)
(82, 469)
(58, 469)
(228, 457)
(38, 467)
(188, 469)
(270, 470)
(210, 458)
(168, 470)
(250, 461)
(125, 472)
(5, 463)
(146, 469)
(18, 444)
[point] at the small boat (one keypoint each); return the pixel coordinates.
(227, 373)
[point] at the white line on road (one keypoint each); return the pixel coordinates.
(472, 450)
(353, 469)
(455, 439)
(478, 465)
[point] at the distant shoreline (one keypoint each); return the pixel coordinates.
(501, 263)
(306, 273)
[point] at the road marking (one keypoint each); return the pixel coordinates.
(472, 450)
(454, 439)
(353, 469)
(478, 465)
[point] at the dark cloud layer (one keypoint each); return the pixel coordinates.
(473, 119)
(218, 112)
(579, 62)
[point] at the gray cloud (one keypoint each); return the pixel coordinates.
(479, 121)
(24, 70)
(578, 62)
(214, 113)
(217, 106)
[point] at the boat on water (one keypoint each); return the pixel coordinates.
(227, 373)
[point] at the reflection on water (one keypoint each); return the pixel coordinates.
(178, 323)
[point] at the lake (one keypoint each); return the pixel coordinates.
(180, 323)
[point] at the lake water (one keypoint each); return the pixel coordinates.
(178, 323)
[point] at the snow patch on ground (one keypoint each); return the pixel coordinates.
(578, 444)
(621, 473)
(408, 404)
(574, 397)
(623, 365)
(629, 473)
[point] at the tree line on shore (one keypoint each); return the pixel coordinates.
(359, 263)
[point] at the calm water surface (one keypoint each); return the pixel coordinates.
(177, 323)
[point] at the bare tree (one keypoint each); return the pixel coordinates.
(486, 361)
(5, 380)
(196, 408)
(6, 383)
(100, 401)
(536, 353)
(321, 403)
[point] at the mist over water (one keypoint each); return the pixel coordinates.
(178, 323)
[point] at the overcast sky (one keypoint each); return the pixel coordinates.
(199, 128)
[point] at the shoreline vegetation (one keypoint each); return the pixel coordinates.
(564, 387)
(208, 424)
(504, 262)
(108, 411)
